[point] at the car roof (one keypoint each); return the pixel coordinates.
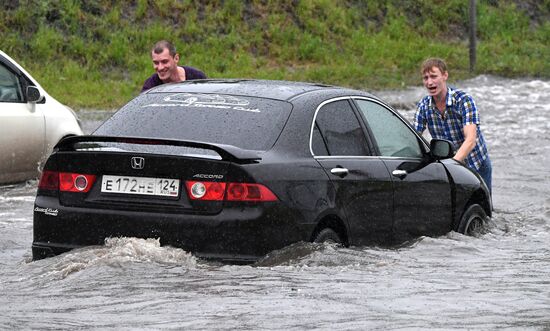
(273, 89)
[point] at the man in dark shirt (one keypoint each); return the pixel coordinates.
(165, 61)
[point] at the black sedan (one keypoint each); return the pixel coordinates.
(233, 169)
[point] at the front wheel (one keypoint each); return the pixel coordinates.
(473, 220)
(327, 235)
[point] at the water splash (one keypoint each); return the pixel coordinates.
(116, 253)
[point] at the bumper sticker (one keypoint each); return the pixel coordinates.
(46, 211)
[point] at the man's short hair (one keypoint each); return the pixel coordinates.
(434, 62)
(160, 46)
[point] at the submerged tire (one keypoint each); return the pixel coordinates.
(473, 220)
(327, 235)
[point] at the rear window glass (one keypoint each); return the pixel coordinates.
(244, 122)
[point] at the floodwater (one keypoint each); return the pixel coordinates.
(498, 280)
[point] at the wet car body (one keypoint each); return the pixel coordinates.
(31, 123)
(282, 162)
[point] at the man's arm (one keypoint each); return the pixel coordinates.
(419, 123)
(470, 135)
(149, 83)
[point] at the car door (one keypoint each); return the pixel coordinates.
(21, 127)
(362, 183)
(422, 192)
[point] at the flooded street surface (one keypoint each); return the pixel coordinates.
(499, 280)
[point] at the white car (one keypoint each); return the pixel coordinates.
(31, 123)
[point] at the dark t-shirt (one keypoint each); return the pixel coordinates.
(190, 74)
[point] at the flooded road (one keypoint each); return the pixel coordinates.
(499, 280)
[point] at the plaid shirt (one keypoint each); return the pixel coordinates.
(460, 111)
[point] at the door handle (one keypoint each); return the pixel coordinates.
(342, 172)
(400, 173)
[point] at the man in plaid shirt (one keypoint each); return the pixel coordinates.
(452, 115)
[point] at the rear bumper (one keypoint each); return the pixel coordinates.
(237, 234)
(42, 250)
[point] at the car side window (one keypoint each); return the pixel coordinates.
(10, 87)
(393, 137)
(337, 131)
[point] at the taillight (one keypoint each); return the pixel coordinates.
(71, 182)
(205, 190)
(65, 181)
(49, 180)
(235, 191)
(249, 192)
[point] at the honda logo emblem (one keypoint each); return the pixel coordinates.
(137, 162)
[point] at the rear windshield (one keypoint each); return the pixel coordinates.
(245, 122)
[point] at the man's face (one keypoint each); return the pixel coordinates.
(435, 82)
(165, 65)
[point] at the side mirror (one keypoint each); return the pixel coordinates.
(33, 94)
(441, 149)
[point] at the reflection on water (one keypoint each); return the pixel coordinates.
(494, 281)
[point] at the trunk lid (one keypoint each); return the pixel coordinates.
(146, 175)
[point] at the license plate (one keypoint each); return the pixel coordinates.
(140, 185)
